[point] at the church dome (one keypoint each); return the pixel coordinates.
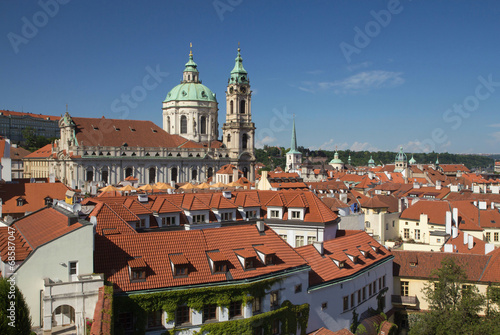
(336, 159)
(190, 92)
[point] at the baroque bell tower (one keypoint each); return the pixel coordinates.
(239, 130)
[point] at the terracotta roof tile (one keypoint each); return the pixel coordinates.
(435, 210)
(38, 116)
(43, 152)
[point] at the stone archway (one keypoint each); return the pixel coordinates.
(63, 315)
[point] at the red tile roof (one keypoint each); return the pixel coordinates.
(43, 152)
(38, 116)
(34, 195)
(478, 268)
(454, 168)
(18, 153)
(323, 269)
(435, 210)
(112, 254)
(478, 246)
(117, 132)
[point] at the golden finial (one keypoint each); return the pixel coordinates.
(190, 49)
(239, 46)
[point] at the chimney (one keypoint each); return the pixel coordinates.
(438, 185)
(235, 174)
(482, 205)
(455, 216)
(495, 189)
(448, 223)
(471, 242)
(454, 232)
(488, 247)
(466, 238)
(260, 226)
(319, 247)
(454, 188)
(226, 194)
(492, 205)
(475, 203)
(343, 197)
(476, 189)
(416, 185)
(448, 248)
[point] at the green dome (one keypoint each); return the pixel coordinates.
(336, 159)
(412, 160)
(190, 92)
(371, 161)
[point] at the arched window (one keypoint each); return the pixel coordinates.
(231, 106)
(104, 176)
(152, 175)
(173, 175)
(203, 125)
(210, 172)
(194, 174)
(184, 124)
(228, 138)
(242, 106)
(245, 172)
(128, 172)
(90, 175)
(244, 141)
(168, 124)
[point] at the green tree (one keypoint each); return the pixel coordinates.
(15, 317)
(453, 305)
(32, 141)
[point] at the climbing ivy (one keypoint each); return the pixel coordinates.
(196, 298)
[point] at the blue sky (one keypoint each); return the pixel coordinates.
(359, 75)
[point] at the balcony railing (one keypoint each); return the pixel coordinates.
(407, 301)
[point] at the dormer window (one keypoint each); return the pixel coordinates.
(220, 267)
(218, 261)
(137, 268)
(275, 214)
(267, 256)
(246, 258)
(249, 263)
(20, 201)
(48, 201)
(341, 264)
(269, 259)
(180, 265)
(295, 215)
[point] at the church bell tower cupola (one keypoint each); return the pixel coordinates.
(239, 130)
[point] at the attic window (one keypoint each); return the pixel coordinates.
(341, 264)
(124, 144)
(48, 201)
(132, 129)
(220, 267)
(116, 128)
(95, 128)
(154, 130)
(20, 201)
(179, 265)
(137, 268)
(248, 258)
(375, 248)
(413, 264)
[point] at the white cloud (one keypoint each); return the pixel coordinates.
(331, 145)
(413, 146)
(495, 125)
(363, 65)
(266, 140)
(360, 82)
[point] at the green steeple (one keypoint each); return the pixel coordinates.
(371, 162)
(437, 160)
(191, 65)
(293, 146)
(239, 75)
(412, 160)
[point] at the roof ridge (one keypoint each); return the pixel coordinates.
(119, 217)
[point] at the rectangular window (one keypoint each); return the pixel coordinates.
(417, 234)
(488, 237)
(295, 214)
(406, 233)
(383, 281)
(370, 289)
(142, 223)
(299, 241)
(249, 263)
(138, 274)
(346, 303)
(73, 268)
(364, 293)
(405, 288)
(495, 237)
(181, 270)
(126, 320)
(386, 226)
(154, 319)
(168, 221)
(257, 305)
(276, 327)
(220, 267)
(352, 300)
(283, 236)
(251, 214)
(182, 315)
(380, 283)
(393, 223)
(209, 312)
(298, 288)
(374, 287)
(234, 309)
(275, 214)
(199, 218)
(274, 298)
(311, 239)
(359, 296)
(227, 216)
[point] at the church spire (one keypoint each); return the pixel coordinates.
(293, 146)
(239, 75)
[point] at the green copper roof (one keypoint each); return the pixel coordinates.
(437, 160)
(401, 156)
(190, 92)
(293, 146)
(412, 160)
(239, 75)
(191, 65)
(336, 159)
(371, 161)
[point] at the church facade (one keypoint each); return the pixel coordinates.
(99, 151)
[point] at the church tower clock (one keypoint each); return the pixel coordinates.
(239, 130)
